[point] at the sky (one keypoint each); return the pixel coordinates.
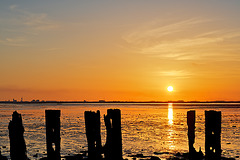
(120, 50)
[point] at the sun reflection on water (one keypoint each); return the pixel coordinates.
(170, 114)
(170, 130)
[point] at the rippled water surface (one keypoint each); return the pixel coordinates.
(146, 128)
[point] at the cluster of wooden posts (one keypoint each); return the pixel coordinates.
(112, 150)
(212, 135)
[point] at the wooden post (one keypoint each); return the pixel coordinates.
(93, 127)
(191, 132)
(17, 142)
(53, 134)
(113, 146)
(213, 135)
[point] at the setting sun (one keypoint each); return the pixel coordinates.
(170, 88)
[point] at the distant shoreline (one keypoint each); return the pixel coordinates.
(118, 102)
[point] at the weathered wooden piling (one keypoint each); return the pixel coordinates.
(53, 134)
(213, 135)
(17, 142)
(113, 146)
(191, 131)
(93, 132)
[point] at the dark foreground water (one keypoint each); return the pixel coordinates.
(146, 128)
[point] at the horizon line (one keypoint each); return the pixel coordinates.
(118, 101)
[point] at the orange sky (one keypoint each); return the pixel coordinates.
(79, 50)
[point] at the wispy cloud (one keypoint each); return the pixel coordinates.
(53, 49)
(37, 21)
(177, 74)
(12, 7)
(16, 41)
(154, 31)
(21, 26)
(183, 40)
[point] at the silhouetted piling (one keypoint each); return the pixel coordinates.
(53, 134)
(193, 154)
(113, 146)
(213, 135)
(93, 132)
(191, 131)
(17, 142)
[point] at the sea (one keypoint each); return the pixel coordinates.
(151, 129)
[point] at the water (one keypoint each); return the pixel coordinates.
(146, 128)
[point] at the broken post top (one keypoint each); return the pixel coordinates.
(52, 118)
(53, 112)
(213, 118)
(16, 117)
(114, 113)
(213, 113)
(91, 113)
(92, 118)
(16, 122)
(113, 118)
(109, 111)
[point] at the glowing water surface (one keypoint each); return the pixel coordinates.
(146, 128)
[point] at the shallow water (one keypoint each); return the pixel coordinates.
(146, 128)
